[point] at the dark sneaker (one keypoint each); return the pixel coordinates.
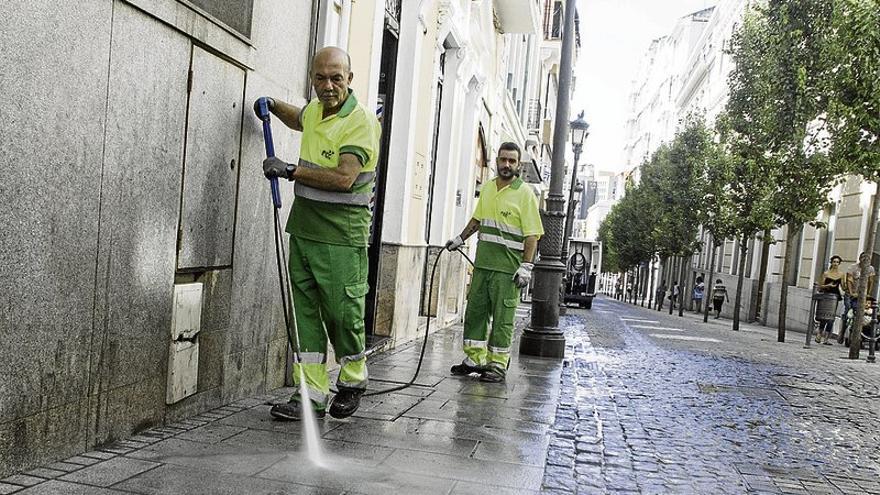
(464, 369)
(345, 402)
(292, 411)
(492, 375)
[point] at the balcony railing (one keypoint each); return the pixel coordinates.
(535, 116)
(553, 15)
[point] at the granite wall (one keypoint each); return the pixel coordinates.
(130, 161)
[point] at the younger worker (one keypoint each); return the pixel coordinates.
(509, 224)
(329, 225)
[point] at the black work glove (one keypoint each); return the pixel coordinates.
(270, 104)
(274, 167)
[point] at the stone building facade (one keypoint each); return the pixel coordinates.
(137, 267)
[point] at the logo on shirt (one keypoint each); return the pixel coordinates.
(328, 154)
(505, 213)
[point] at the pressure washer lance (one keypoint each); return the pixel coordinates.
(284, 280)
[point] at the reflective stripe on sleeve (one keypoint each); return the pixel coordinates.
(500, 240)
(362, 177)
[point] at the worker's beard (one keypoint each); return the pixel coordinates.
(506, 173)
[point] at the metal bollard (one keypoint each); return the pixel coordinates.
(873, 340)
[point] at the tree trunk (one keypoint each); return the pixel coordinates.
(672, 267)
(651, 288)
(762, 277)
(637, 285)
(707, 292)
(855, 344)
(682, 274)
(743, 248)
(632, 285)
(790, 234)
(643, 285)
(641, 298)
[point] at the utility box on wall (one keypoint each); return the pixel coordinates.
(183, 354)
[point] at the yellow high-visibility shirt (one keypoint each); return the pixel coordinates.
(506, 217)
(329, 216)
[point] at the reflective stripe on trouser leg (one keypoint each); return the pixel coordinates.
(476, 319)
(353, 371)
(340, 274)
(312, 339)
(505, 297)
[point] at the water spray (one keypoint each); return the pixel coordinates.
(310, 422)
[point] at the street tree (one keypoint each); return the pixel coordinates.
(716, 208)
(745, 129)
(795, 31)
(683, 189)
(852, 49)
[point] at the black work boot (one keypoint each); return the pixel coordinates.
(345, 402)
(292, 411)
(493, 375)
(464, 369)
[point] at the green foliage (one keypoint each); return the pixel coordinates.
(716, 211)
(796, 31)
(746, 128)
(662, 213)
(626, 232)
(852, 82)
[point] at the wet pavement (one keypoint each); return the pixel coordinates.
(643, 402)
(445, 435)
(653, 403)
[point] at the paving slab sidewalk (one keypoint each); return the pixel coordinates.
(445, 435)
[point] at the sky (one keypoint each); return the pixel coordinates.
(614, 36)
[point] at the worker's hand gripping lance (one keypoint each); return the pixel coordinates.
(262, 108)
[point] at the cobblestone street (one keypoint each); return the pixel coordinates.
(655, 403)
(644, 402)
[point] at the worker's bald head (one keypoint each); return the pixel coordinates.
(332, 55)
(331, 75)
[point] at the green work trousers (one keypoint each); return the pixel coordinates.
(329, 284)
(492, 294)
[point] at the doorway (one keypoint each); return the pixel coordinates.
(384, 111)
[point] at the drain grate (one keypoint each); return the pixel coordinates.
(713, 388)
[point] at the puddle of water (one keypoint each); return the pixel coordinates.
(649, 327)
(683, 337)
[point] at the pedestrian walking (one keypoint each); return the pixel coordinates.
(851, 292)
(329, 227)
(509, 223)
(673, 296)
(618, 290)
(660, 294)
(697, 295)
(831, 282)
(719, 297)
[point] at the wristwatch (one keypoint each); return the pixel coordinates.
(289, 169)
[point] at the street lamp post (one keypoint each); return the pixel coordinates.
(580, 129)
(543, 337)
